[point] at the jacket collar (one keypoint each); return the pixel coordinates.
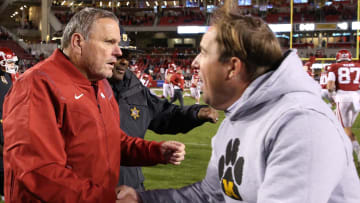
(130, 80)
(66, 66)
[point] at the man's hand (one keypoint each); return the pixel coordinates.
(127, 194)
(208, 114)
(173, 152)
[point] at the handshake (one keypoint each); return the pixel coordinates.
(126, 194)
(173, 152)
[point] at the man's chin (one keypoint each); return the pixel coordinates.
(109, 75)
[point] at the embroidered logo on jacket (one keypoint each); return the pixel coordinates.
(135, 113)
(79, 96)
(231, 170)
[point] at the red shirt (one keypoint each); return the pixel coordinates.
(346, 75)
(63, 141)
(177, 79)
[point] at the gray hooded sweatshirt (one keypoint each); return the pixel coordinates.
(279, 143)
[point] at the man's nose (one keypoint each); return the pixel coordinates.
(195, 63)
(117, 51)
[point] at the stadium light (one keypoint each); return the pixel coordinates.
(109, 3)
(192, 29)
(118, 4)
(165, 3)
(280, 27)
(174, 3)
(147, 4)
(63, 3)
(355, 25)
(203, 29)
(343, 26)
(25, 6)
(156, 3)
(100, 3)
(72, 3)
(127, 3)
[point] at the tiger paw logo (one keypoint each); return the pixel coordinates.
(231, 170)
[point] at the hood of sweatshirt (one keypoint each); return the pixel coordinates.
(289, 77)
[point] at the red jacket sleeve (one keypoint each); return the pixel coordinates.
(173, 79)
(34, 151)
(139, 152)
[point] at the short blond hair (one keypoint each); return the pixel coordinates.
(248, 38)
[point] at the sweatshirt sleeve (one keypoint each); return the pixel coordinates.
(207, 190)
(305, 159)
(34, 151)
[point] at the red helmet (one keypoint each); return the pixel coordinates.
(8, 59)
(343, 55)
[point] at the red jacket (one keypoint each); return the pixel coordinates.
(63, 141)
(177, 79)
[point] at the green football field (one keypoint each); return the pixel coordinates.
(198, 151)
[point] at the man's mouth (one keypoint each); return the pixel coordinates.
(112, 64)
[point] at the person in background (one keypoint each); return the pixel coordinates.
(140, 110)
(323, 83)
(279, 141)
(343, 85)
(7, 68)
(146, 80)
(62, 138)
(168, 89)
(195, 88)
(177, 81)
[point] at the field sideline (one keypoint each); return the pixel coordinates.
(198, 151)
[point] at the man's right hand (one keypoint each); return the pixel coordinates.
(126, 194)
(208, 114)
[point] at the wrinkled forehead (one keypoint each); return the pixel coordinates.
(106, 28)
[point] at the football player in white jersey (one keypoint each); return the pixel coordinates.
(168, 90)
(195, 86)
(323, 83)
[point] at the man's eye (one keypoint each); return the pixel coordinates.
(123, 64)
(110, 41)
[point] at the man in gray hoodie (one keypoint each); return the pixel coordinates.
(279, 141)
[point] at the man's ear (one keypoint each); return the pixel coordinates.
(234, 68)
(77, 43)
